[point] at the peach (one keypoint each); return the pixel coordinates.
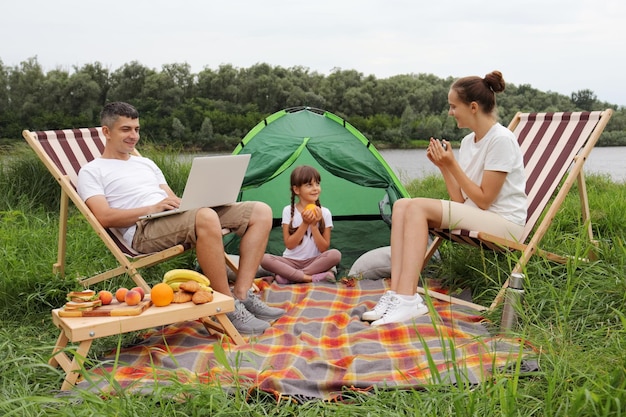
(132, 297)
(140, 291)
(120, 294)
(106, 297)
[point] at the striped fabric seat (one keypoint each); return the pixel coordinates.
(555, 147)
(64, 152)
(70, 149)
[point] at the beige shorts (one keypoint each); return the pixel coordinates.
(153, 235)
(461, 216)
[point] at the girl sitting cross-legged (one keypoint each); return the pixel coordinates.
(306, 233)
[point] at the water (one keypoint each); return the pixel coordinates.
(413, 163)
(409, 164)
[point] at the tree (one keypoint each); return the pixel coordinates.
(26, 90)
(82, 98)
(205, 135)
(407, 122)
(178, 130)
(334, 87)
(4, 89)
(221, 106)
(224, 85)
(127, 82)
(584, 99)
(100, 75)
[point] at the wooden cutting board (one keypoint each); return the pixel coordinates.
(112, 310)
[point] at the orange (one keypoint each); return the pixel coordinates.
(310, 207)
(162, 294)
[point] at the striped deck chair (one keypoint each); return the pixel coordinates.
(555, 147)
(64, 152)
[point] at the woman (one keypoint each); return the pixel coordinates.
(486, 188)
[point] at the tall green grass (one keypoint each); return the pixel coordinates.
(574, 315)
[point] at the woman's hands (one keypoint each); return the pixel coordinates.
(439, 152)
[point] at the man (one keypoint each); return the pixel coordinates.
(119, 188)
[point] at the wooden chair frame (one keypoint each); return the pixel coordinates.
(86, 144)
(573, 135)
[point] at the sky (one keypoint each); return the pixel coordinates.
(561, 46)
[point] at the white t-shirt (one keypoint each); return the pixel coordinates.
(307, 248)
(497, 151)
(125, 184)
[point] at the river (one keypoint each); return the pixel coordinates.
(411, 164)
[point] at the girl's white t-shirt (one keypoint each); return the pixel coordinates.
(307, 248)
(497, 151)
(128, 184)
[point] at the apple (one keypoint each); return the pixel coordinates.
(105, 297)
(120, 294)
(140, 291)
(132, 297)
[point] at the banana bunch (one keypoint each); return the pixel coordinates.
(175, 277)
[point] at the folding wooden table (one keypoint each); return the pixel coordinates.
(84, 330)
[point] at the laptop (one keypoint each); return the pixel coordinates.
(213, 181)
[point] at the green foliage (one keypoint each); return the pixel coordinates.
(25, 181)
(174, 103)
(574, 315)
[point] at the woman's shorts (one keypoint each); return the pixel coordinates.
(461, 216)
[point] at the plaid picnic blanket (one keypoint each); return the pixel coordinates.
(320, 348)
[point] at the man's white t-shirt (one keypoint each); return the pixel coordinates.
(307, 248)
(128, 184)
(497, 151)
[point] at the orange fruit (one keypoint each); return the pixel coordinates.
(310, 207)
(162, 294)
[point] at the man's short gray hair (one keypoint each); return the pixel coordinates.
(112, 111)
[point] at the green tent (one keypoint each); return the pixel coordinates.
(358, 186)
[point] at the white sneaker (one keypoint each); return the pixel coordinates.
(400, 310)
(380, 307)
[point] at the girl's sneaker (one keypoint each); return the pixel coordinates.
(380, 308)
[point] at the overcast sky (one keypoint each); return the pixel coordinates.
(554, 45)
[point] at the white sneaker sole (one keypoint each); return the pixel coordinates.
(420, 311)
(370, 316)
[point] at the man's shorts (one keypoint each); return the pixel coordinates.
(153, 235)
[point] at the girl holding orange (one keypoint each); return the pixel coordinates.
(306, 232)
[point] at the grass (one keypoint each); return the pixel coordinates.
(574, 315)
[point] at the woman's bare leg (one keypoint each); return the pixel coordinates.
(411, 219)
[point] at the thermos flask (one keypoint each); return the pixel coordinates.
(512, 301)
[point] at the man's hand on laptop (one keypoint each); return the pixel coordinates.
(169, 203)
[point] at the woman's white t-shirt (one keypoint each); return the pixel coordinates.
(497, 151)
(307, 248)
(128, 184)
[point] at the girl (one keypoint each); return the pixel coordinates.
(486, 188)
(306, 233)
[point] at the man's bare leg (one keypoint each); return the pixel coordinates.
(210, 249)
(252, 248)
